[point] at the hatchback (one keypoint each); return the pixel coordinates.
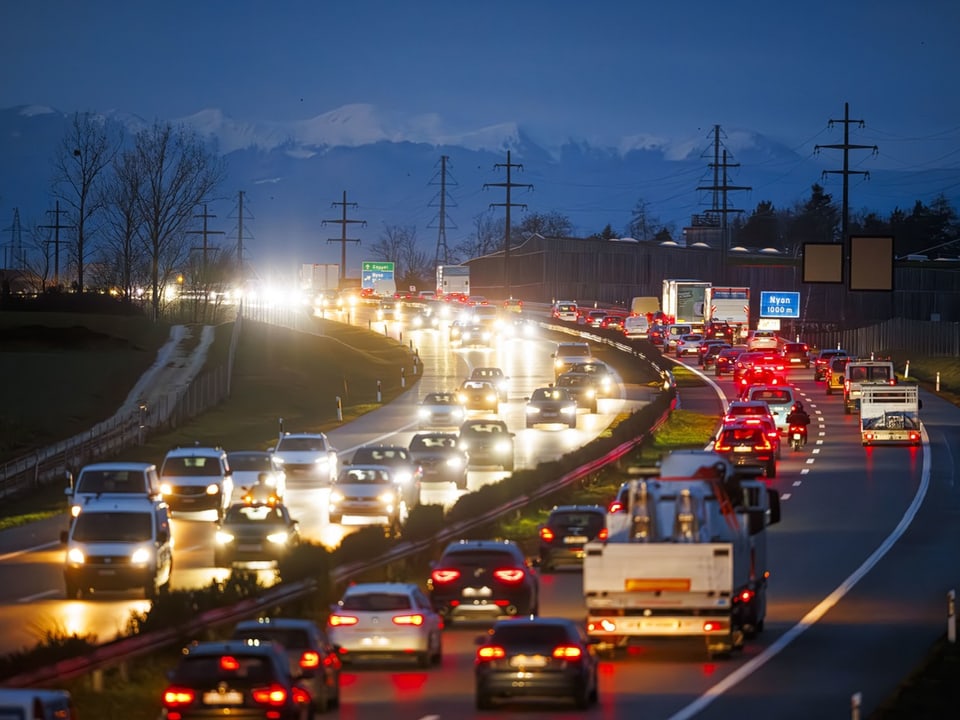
(796, 354)
(567, 529)
(821, 363)
(689, 344)
(725, 360)
(745, 444)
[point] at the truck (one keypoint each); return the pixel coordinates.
(453, 279)
(685, 557)
(318, 279)
(729, 306)
(646, 306)
(862, 373)
(685, 302)
(890, 414)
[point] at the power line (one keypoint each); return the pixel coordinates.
(720, 188)
(443, 252)
(57, 227)
(205, 248)
(509, 185)
(343, 222)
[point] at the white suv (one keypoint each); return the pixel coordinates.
(762, 340)
(307, 454)
(197, 478)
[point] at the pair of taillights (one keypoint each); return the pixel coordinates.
(547, 535)
(487, 653)
(271, 696)
(341, 620)
(510, 576)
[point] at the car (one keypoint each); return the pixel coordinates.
(367, 491)
(255, 532)
(567, 354)
(249, 465)
(495, 377)
(487, 443)
(553, 655)
(588, 382)
(479, 395)
(749, 359)
(593, 318)
(780, 399)
(389, 309)
(726, 359)
(307, 454)
(747, 444)
(567, 529)
(551, 405)
(483, 579)
(612, 322)
(422, 319)
(720, 331)
(196, 478)
(488, 315)
(513, 305)
(455, 330)
(565, 310)
(837, 373)
(688, 344)
(758, 376)
(710, 351)
(440, 409)
(796, 354)
(406, 471)
(739, 409)
(477, 300)
(440, 458)
(378, 620)
(704, 346)
(657, 334)
(308, 649)
(821, 362)
(36, 704)
(765, 421)
(112, 479)
(673, 333)
(762, 340)
(476, 335)
(636, 327)
(237, 679)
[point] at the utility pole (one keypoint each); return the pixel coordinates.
(13, 255)
(443, 252)
(240, 235)
(343, 222)
(720, 188)
(205, 248)
(57, 227)
(509, 185)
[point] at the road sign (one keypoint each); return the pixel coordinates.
(372, 272)
(779, 304)
(377, 266)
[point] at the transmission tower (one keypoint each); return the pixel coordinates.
(57, 227)
(343, 222)
(509, 185)
(241, 229)
(205, 232)
(440, 221)
(13, 255)
(720, 188)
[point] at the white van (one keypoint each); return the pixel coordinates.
(112, 479)
(34, 704)
(119, 544)
(636, 326)
(566, 310)
(674, 333)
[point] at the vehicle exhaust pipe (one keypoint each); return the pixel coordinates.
(511, 609)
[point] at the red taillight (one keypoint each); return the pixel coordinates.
(603, 535)
(765, 445)
(229, 663)
(275, 695)
(713, 626)
(442, 577)
(745, 596)
(174, 697)
(615, 506)
(567, 652)
(511, 576)
(869, 437)
(342, 620)
(310, 659)
(415, 619)
(720, 447)
(846, 385)
(300, 696)
(546, 534)
(914, 437)
(490, 652)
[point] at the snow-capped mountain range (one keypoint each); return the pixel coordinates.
(292, 174)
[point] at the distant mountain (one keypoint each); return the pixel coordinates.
(293, 173)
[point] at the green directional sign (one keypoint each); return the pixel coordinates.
(377, 267)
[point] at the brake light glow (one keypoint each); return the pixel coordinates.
(615, 506)
(914, 437)
(720, 447)
(229, 663)
(714, 626)
(745, 595)
(546, 534)
(274, 695)
(490, 652)
(300, 696)
(178, 697)
(442, 577)
(869, 436)
(310, 659)
(567, 652)
(765, 445)
(511, 576)
(603, 535)
(415, 619)
(342, 620)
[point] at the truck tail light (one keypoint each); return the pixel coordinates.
(711, 626)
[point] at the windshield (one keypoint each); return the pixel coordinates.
(548, 395)
(773, 397)
(440, 399)
(247, 514)
(376, 602)
(526, 634)
(236, 669)
(381, 456)
(302, 444)
(289, 638)
(191, 467)
(433, 442)
(249, 461)
(113, 527)
(111, 481)
(365, 476)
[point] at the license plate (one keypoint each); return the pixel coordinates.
(477, 592)
(549, 414)
(249, 548)
(660, 624)
(528, 661)
(106, 572)
(796, 360)
(575, 539)
(224, 698)
(741, 448)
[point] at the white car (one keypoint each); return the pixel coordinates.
(367, 491)
(386, 620)
(689, 344)
(195, 478)
(762, 340)
(249, 465)
(307, 454)
(441, 409)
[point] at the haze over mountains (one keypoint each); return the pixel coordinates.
(389, 165)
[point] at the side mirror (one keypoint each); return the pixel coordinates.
(271, 449)
(68, 491)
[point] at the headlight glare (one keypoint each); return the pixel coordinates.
(75, 555)
(223, 537)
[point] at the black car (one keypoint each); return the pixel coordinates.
(707, 352)
(567, 529)
(550, 406)
(796, 354)
(254, 532)
(583, 388)
(725, 360)
(236, 679)
(821, 362)
(487, 443)
(552, 656)
(307, 648)
(483, 578)
(747, 444)
(440, 458)
(476, 335)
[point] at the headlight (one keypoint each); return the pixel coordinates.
(569, 410)
(464, 445)
(277, 538)
(605, 382)
(223, 537)
(166, 488)
(321, 460)
(590, 392)
(278, 459)
(558, 364)
(458, 412)
(404, 478)
(462, 398)
(455, 462)
(423, 413)
(75, 555)
(213, 489)
(533, 410)
(503, 447)
(491, 398)
(336, 496)
(75, 510)
(141, 556)
(386, 498)
(487, 335)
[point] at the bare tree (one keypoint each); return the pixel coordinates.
(551, 224)
(643, 224)
(177, 173)
(389, 246)
(85, 152)
(123, 263)
(36, 259)
(487, 236)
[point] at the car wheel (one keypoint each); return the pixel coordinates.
(595, 692)
(322, 703)
(771, 469)
(437, 657)
(423, 659)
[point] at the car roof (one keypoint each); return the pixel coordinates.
(578, 508)
(131, 504)
(220, 647)
(138, 466)
(380, 587)
(303, 435)
(367, 466)
(196, 451)
(464, 544)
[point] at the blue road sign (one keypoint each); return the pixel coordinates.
(779, 304)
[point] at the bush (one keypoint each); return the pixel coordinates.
(424, 522)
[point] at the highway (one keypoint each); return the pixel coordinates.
(862, 562)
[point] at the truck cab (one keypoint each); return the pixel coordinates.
(859, 373)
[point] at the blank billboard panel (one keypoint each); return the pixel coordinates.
(822, 262)
(871, 263)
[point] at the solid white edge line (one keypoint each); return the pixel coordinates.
(24, 551)
(815, 615)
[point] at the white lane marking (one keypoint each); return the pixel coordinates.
(785, 496)
(804, 471)
(37, 596)
(822, 434)
(17, 553)
(815, 615)
(797, 483)
(810, 461)
(430, 717)
(816, 451)
(820, 442)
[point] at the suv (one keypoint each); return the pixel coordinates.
(113, 479)
(483, 578)
(821, 363)
(307, 647)
(747, 444)
(307, 454)
(779, 398)
(487, 442)
(406, 471)
(236, 678)
(551, 405)
(796, 353)
(567, 354)
(762, 340)
(197, 478)
(567, 529)
(119, 544)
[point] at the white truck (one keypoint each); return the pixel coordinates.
(453, 279)
(890, 414)
(686, 557)
(318, 279)
(731, 306)
(861, 373)
(685, 302)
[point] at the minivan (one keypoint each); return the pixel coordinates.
(674, 332)
(112, 479)
(565, 310)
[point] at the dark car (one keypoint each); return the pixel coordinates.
(711, 351)
(567, 529)
(483, 578)
(604, 379)
(796, 354)
(582, 388)
(236, 679)
(725, 360)
(747, 444)
(821, 362)
(551, 405)
(476, 335)
(706, 346)
(307, 648)
(479, 395)
(720, 331)
(487, 443)
(440, 409)
(440, 458)
(254, 532)
(406, 472)
(758, 376)
(612, 322)
(552, 656)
